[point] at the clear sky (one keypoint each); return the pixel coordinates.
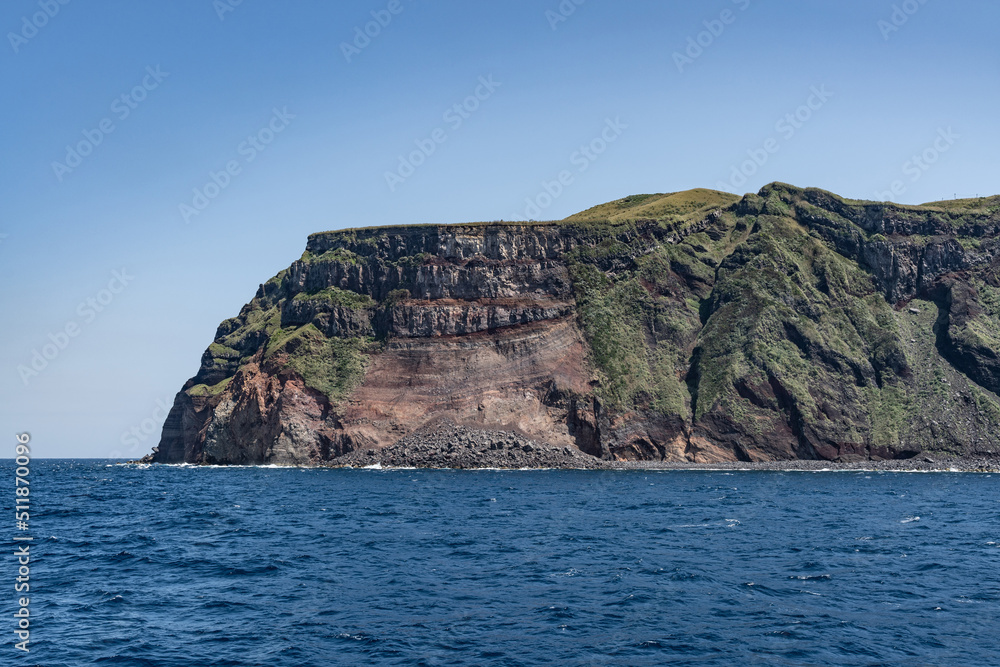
(191, 146)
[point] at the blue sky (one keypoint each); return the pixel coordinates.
(117, 116)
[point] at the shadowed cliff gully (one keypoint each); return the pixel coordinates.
(695, 326)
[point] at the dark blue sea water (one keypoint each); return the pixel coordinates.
(189, 566)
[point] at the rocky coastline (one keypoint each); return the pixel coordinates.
(447, 445)
(697, 327)
(450, 446)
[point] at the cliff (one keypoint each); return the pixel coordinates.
(693, 326)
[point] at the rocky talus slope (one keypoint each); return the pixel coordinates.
(448, 445)
(693, 326)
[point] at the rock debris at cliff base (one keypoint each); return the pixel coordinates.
(449, 445)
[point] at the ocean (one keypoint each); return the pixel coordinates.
(181, 565)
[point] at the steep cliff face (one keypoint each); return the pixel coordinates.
(692, 326)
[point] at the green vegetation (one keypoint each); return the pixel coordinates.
(987, 404)
(275, 281)
(889, 410)
(206, 391)
(634, 305)
(245, 332)
(338, 297)
(674, 207)
(613, 315)
(412, 260)
(223, 352)
(339, 254)
(989, 297)
(790, 318)
(981, 204)
(333, 366)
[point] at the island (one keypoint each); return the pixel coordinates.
(694, 327)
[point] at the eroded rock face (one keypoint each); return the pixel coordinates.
(515, 378)
(791, 324)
